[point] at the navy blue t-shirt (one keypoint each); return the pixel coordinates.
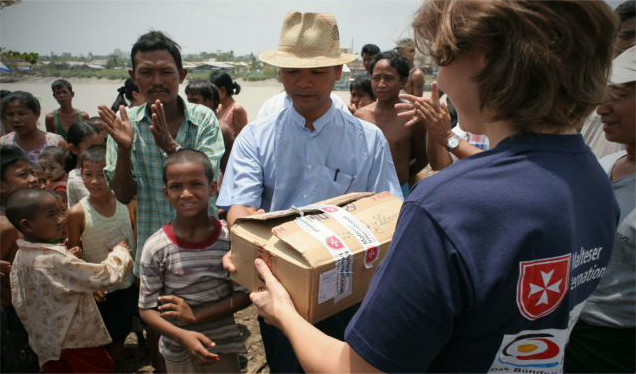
(491, 262)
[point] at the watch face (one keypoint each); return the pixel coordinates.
(452, 143)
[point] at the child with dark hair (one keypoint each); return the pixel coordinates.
(5, 128)
(367, 53)
(22, 111)
(96, 224)
(231, 112)
(207, 93)
(204, 93)
(16, 356)
(185, 293)
(361, 93)
(52, 289)
(389, 75)
(128, 96)
(61, 119)
(415, 82)
(81, 136)
(55, 162)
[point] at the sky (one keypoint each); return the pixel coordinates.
(243, 26)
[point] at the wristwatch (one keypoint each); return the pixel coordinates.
(453, 143)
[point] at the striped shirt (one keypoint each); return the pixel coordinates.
(193, 272)
(199, 131)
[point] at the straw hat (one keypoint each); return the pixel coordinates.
(308, 40)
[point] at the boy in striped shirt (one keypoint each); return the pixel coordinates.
(185, 294)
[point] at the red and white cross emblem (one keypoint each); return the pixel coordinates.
(542, 285)
(334, 243)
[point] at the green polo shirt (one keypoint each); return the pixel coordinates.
(200, 130)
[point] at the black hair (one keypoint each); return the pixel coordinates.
(94, 123)
(156, 41)
(25, 98)
(95, 154)
(183, 156)
(626, 10)
(24, 204)
(200, 87)
(9, 156)
(57, 154)
(124, 93)
(371, 49)
(4, 93)
(399, 63)
(207, 90)
(363, 83)
(77, 133)
(61, 83)
(80, 131)
(223, 80)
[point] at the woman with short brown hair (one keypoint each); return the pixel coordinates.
(492, 258)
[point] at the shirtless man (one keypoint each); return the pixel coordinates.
(415, 83)
(389, 74)
(61, 119)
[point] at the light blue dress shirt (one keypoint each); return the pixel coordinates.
(277, 163)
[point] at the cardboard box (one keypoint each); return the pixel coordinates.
(324, 254)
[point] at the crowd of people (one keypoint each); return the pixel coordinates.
(516, 254)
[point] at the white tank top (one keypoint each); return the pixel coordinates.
(101, 233)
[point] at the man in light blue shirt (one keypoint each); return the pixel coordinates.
(308, 152)
(279, 162)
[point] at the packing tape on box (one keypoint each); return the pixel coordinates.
(337, 283)
(361, 232)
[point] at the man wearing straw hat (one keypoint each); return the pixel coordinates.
(308, 152)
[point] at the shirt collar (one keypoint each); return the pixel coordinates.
(319, 124)
(54, 247)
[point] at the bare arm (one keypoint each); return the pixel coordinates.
(240, 118)
(123, 183)
(121, 131)
(239, 211)
(75, 224)
(419, 157)
(49, 122)
(325, 354)
(8, 237)
(175, 307)
(194, 342)
(438, 156)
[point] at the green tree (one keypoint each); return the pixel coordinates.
(15, 56)
(117, 59)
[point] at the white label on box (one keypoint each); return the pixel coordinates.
(327, 286)
(361, 232)
(338, 250)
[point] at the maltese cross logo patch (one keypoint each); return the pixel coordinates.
(542, 285)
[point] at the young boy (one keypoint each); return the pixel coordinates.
(52, 289)
(61, 119)
(185, 293)
(15, 173)
(361, 93)
(96, 224)
(390, 72)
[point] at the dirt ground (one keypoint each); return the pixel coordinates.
(138, 360)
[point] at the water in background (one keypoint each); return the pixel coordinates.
(89, 93)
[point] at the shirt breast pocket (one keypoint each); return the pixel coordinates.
(338, 181)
